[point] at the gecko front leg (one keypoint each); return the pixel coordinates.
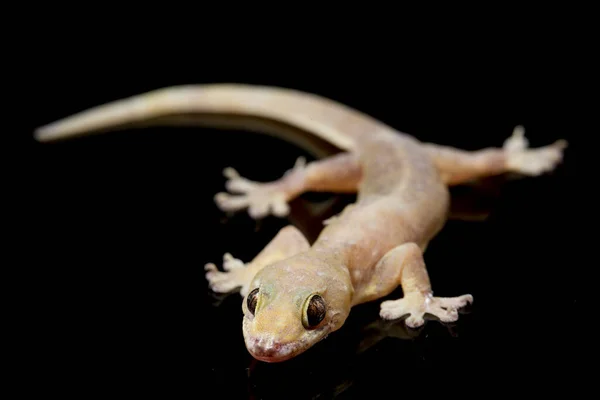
(288, 242)
(340, 173)
(404, 265)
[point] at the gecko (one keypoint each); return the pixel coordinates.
(295, 293)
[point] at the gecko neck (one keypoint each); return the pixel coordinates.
(337, 257)
(342, 254)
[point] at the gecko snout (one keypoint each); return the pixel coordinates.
(266, 348)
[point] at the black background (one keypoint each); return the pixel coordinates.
(125, 221)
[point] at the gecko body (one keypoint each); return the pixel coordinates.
(296, 293)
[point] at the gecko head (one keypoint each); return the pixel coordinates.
(291, 305)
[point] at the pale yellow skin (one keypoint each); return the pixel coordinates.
(361, 255)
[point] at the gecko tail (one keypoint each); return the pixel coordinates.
(115, 114)
(87, 121)
(322, 117)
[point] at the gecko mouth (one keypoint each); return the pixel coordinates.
(267, 350)
(272, 359)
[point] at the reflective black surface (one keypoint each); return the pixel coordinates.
(125, 221)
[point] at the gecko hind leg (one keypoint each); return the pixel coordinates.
(407, 264)
(237, 274)
(260, 198)
(458, 166)
(339, 173)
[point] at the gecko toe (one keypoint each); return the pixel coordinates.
(230, 263)
(414, 321)
(210, 267)
(280, 208)
(230, 173)
(444, 315)
(258, 210)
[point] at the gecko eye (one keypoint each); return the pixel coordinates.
(252, 300)
(314, 311)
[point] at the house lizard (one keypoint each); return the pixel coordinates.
(296, 293)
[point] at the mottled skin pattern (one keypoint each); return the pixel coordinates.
(294, 293)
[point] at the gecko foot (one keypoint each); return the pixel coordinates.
(234, 276)
(524, 160)
(416, 305)
(261, 199)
